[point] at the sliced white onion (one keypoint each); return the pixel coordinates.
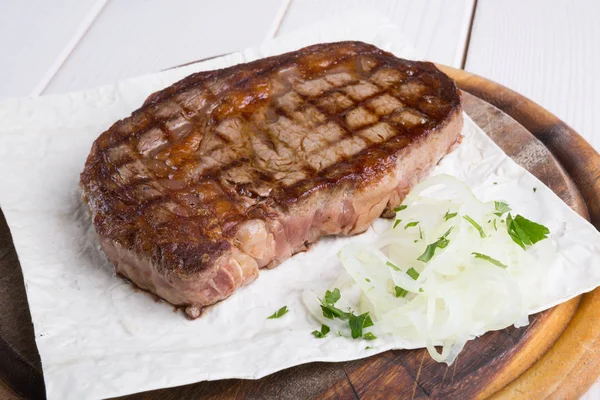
(457, 296)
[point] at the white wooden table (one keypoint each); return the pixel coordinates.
(548, 50)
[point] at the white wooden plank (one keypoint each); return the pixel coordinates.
(133, 37)
(437, 28)
(34, 36)
(548, 51)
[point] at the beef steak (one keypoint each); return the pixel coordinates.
(229, 171)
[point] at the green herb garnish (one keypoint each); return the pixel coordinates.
(279, 313)
(400, 292)
(525, 232)
(534, 190)
(398, 209)
(369, 336)
(397, 223)
(411, 224)
(358, 323)
(392, 266)
(441, 243)
(368, 280)
(412, 273)
(322, 333)
(450, 215)
(476, 225)
(420, 233)
(501, 208)
(490, 259)
(332, 297)
(328, 305)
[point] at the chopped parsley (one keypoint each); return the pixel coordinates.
(397, 223)
(495, 183)
(412, 273)
(368, 280)
(495, 228)
(332, 297)
(441, 243)
(328, 306)
(488, 258)
(392, 266)
(358, 323)
(368, 348)
(525, 232)
(476, 225)
(534, 190)
(398, 209)
(450, 215)
(279, 313)
(400, 292)
(369, 336)
(501, 208)
(322, 333)
(411, 224)
(420, 233)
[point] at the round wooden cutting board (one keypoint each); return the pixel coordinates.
(556, 356)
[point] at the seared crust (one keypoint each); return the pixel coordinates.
(173, 183)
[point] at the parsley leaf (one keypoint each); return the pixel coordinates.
(392, 266)
(476, 225)
(501, 208)
(321, 334)
(441, 243)
(328, 308)
(490, 259)
(358, 323)
(332, 297)
(398, 209)
(369, 336)
(412, 273)
(279, 313)
(368, 280)
(400, 292)
(397, 223)
(450, 215)
(420, 233)
(534, 190)
(525, 232)
(411, 224)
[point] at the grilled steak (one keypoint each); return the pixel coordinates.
(229, 171)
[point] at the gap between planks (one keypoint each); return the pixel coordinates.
(82, 30)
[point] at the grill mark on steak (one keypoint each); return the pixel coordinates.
(228, 171)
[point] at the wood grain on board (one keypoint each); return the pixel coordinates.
(548, 51)
(486, 365)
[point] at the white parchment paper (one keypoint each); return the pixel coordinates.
(97, 337)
